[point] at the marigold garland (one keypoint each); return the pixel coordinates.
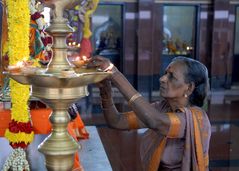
(20, 132)
(18, 49)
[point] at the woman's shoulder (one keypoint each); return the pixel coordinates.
(161, 105)
(198, 110)
(201, 115)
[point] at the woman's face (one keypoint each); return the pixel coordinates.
(172, 83)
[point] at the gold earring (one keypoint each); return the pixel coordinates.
(185, 95)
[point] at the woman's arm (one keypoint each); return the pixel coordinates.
(124, 121)
(145, 112)
(148, 115)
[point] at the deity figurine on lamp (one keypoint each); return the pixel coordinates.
(40, 41)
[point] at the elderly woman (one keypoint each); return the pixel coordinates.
(179, 129)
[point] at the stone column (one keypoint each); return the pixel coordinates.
(221, 45)
(145, 45)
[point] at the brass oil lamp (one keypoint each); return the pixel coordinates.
(59, 91)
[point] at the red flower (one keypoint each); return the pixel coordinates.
(13, 127)
(17, 145)
(16, 127)
(28, 128)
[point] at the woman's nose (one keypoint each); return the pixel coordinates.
(162, 78)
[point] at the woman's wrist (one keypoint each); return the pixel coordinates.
(109, 68)
(106, 103)
(105, 89)
(115, 71)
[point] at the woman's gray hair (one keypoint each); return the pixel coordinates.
(197, 73)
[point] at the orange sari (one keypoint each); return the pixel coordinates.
(184, 147)
(194, 156)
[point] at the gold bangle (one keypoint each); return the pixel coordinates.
(133, 98)
(109, 68)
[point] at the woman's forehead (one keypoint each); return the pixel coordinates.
(176, 66)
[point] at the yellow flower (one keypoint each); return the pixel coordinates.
(19, 137)
(18, 46)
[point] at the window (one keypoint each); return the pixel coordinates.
(179, 30)
(179, 35)
(107, 32)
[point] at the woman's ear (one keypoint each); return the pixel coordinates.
(191, 87)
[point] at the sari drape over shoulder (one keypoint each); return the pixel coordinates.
(195, 129)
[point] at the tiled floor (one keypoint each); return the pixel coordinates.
(224, 149)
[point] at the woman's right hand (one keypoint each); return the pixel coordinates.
(101, 63)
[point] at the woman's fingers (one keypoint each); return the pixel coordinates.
(93, 63)
(99, 62)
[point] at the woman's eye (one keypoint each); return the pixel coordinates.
(171, 76)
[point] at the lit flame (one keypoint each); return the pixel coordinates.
(20, 64)
(84, 58)
(77, 58)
